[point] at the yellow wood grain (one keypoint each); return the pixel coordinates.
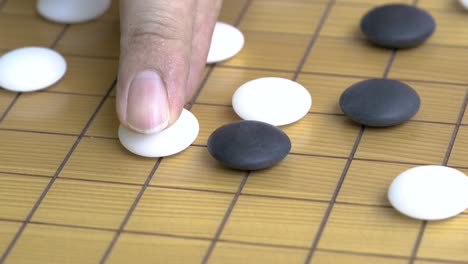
(32, 153)
(297, 16)
(195, 168)
(274, 221)
(179, 212)
(409, 142)
(102, 40)
(321, 257)
(299, 177)
(210, 118)
(223, 82)
(439, 102)
(453, 232)
(24, 7)
(369, 229)
(230, 253)
(430, 262)
(344, 20)
(322, 135)
(89, 204)
(326, 91)
(157, 249)
(459, 154)
(7, 232)
(50, 112)
(230, 10)
(365, 184)
(352, 56)
(18, 194)
(450, 29)
(6, 98)
(100, 73)
(106, 160)
(465, 116)
(270, 50)
(189, 194)
(106, 123)
(53, 244)
(431, 63)
(443, 5)
(19, 30)
(28, 7)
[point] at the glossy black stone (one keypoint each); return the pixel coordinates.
(397, 26)
(249, 145)
(380, 102)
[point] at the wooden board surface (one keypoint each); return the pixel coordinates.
(70, 193)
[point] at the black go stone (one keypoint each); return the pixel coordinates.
(397, 26)
(380, 102)
(249, 145)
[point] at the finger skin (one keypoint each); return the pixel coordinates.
(205, 20)
(156, 36)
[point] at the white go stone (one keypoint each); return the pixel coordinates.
(72, 11)
(430, 192)
(226, 42)
(272, 100)
(464, 3)
(31, 68)
(168, 142)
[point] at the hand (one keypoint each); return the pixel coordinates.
(164, 45)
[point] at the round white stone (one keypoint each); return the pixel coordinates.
(226, 42)
(272, 100)
(72, 11)
(31, 68)
(168, 142)
(464, 3)
(430, 192)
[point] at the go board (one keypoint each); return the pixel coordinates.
(70, 193)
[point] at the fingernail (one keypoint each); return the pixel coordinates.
(147, 105)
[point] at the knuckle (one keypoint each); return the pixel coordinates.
(155, 27)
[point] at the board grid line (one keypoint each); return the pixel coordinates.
(281, 197)
(419, 238)
(239, 242)
(18, 95)
(293, 72)
(204, 146)
(299, 67)
(448, 261)
(36, 205)
(326, 217)
(30, 214)
(130, 212)
(225, 66)
(358, 37)
(217, 105)
(323, 223)
(313, 39)
(285, 71)
(102, 57)
(9, 107)
(52, 180)
(225, 219)
(113, 242)
(389, 64)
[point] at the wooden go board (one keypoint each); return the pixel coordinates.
(70, 193)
